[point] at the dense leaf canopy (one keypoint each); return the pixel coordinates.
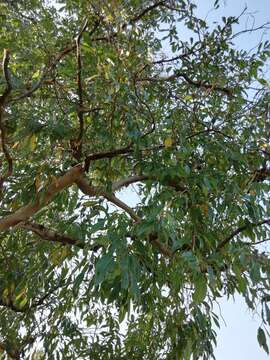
(102, 96)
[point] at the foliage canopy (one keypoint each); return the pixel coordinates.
(97, 96)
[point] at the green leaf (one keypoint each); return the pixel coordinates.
(262, 340)
(200, 290)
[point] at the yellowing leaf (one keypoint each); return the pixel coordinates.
(58, 255)
(23, 302)
(38, 183)
(109, 18)
(36, 75)
(16, 145)
(168, 142)
(5, 293)
(22, 294)
(264, 146)
(33, 142)
(89, 203)
(204, 208)
(188, 98)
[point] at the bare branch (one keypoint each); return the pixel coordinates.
(256, 242)
(265, 26)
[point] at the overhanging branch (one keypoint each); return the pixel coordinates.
(118, 185)
(239, 230)
(53, 236)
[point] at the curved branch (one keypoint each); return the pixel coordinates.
(128, 181)
(43, 198)
(50, 235)
(197, 84)
(147, 10)
(92, 191)
(45, 72)
(239, 230)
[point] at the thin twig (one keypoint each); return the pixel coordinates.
(239, 230)
(198, 84)
(78, 150)
(3, 100)
(147, 10)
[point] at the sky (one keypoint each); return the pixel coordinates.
(237, 337)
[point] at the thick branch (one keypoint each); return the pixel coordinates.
(107, 155)
(5, 62)
(43, 198)
(118, 185)
(239, 230)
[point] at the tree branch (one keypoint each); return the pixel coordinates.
(43, 198)
(45, 72)
(3, 99)
(261, 175)
(239, 230)
(147, 10)
(78, 149)
(198, 84)
(107, 155)
(255, 243)
(50, 235)
(128, 181)
(90, 190)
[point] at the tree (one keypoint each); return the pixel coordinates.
(97, 96)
